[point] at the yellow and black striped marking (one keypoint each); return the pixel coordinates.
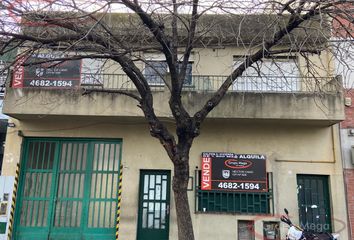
(119, 199)
(13, 203)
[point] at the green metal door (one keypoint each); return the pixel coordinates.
(154, 205)
(314, 203)
(68, 189)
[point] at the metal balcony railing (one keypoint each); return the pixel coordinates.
(210, 83)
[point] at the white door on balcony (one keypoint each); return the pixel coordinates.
(269, 75)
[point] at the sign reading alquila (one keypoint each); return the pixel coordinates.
(41, 74)
(234, 172)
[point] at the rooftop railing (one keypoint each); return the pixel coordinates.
(210, 83)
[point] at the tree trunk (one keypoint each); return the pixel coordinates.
(184, 220)
(180, 185)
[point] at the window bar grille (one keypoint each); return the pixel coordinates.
(234, 202)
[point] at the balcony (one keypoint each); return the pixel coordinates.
(318, 101)
(210, 83)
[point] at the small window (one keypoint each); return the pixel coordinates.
(245, 230)
(155, 71)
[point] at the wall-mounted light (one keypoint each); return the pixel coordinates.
(11, 124)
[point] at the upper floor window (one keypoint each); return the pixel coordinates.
(156, 70)
(277, 74)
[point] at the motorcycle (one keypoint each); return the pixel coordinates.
(297, 233)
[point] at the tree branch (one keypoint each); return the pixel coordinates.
(42, 40)
(300, 50)
(189, 46)
(87, 91)
(156, 30)
(71, 58)
(294, 22)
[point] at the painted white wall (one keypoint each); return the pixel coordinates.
(6, 187)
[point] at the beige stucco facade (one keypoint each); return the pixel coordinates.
(291, 149)
(297, 131)
(220, 60)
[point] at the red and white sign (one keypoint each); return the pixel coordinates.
(18, 73)
(234, 172)
(206, 173)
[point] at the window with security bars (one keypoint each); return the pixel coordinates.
(234, 202)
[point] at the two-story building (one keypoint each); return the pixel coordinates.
(70, 147)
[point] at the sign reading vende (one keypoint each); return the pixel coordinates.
(61, 74)
(234, 172)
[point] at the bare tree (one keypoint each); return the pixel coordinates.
(120, 31)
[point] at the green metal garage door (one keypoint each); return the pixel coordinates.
(68, 189)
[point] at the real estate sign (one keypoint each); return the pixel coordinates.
(234, 172)
(41, 74)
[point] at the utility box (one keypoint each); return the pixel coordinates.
(271, 231)
(246, 230)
